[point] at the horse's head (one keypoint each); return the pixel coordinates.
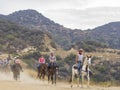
(87, 60)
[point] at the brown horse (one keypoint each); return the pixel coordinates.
(52, 73)
(41, 71)
(16, 68)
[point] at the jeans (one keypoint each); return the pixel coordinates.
(79, 65)
(52, 64)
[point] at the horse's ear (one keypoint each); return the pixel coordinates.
(90, 56)
(87, 56)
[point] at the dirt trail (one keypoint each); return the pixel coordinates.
(28, 83)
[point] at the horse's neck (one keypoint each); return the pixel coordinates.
(85, 61)
(85, 65)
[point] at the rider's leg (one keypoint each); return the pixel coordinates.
(49, 65)
(79, 66)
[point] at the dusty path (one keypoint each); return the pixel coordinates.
(28, 83)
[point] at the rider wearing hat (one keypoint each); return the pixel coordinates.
(79, 59)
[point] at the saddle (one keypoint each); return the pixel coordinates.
(75, 67)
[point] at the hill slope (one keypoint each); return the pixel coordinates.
(33, 19)
(108, 34)
(15, 37)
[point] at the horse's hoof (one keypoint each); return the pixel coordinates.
(71, 86)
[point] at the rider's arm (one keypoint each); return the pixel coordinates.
(50, 58)
(76, 58)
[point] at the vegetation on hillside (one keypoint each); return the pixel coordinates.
(106, 35)
(14, 38)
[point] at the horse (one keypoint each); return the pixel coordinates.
(85, 72)
(6, 68)
(75, 74)
(16, 68)
(52, 73)
(41, 71)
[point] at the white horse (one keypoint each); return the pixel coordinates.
(85, 72)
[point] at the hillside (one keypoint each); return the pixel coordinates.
(101, 37)
(108, 34)
(14, 37)
(33, 19)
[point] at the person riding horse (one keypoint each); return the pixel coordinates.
(16, 61)
(16, 68)
(52, 68)
(76, 68)
(52, 60)
(42, 66)
(41, 61)
(84, 71)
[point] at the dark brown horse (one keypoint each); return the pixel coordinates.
(42, 71)
(16, 68)
(52, 73)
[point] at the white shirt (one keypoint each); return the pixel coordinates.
(52, 58)
(80, 57)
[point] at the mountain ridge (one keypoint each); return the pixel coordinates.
(66, 37)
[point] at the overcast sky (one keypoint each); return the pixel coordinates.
(80, 14)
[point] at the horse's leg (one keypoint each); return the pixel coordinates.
(78, 81)
(88, 77)
(37, 75)
(72, 77)
(44, 76)
(40, 75)
(48, 78)
(52, 78)
(15, 76)
(55, 78)
(82, 80)
(19, 75)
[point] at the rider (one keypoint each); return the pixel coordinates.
(41, 60)
(52, 59)
(79, 59)
(17, 61)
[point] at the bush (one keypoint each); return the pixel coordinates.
(70, 59)
(34, 55)
(53, 44)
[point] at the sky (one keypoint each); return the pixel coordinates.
(75, 14)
